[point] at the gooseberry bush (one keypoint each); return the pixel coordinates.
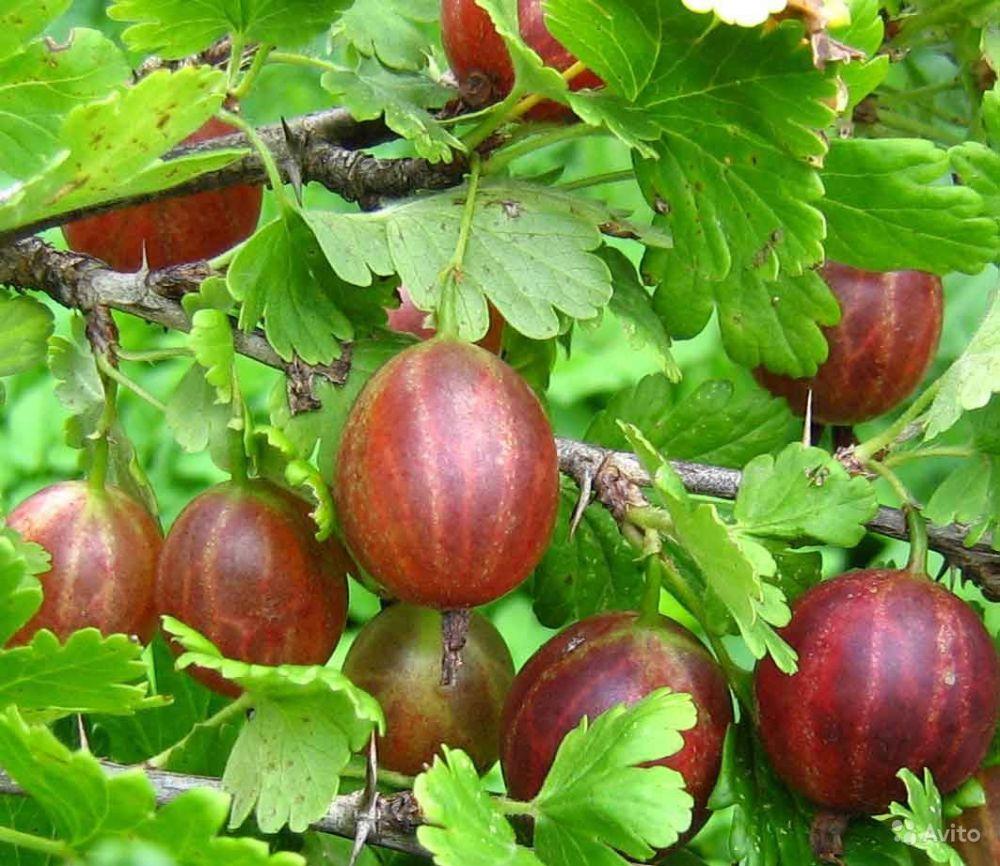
(527, 432)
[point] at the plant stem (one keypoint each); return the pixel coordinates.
(512, 109)
(924, 453)
(154, 355)
(598, 180)
(98, 475)
(266, 157)
(123, 380)
(649, 609)
(303, 60)
(514, 807)
(235, 60)
(223, 260)
(867, 450)
(447, 317)
(502, 158)
(237, 707)
(359, 770)
(914, 521)
(248, 80)
(912, 126)
(30, 842)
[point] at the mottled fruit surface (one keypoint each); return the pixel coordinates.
(596, 664)
(242, 565)
(397, 658)
(975, 834)
(879, 351)
(481, 62)
(408, 319)
(174, 231)
(894, 671)
(447, 478)
(104, 547)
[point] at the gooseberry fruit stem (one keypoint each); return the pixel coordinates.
(266, 157)
(916, 524)
(868, 449)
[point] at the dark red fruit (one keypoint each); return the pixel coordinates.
(397, 658)
(408, 319)
(104, 547)
(880, 350)
(481, 62)
(596, 664)
(174, 231)
(242, 565)
(894, 671)
(975, 834)
(447, 477)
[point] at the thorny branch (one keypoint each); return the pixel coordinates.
(615, 478)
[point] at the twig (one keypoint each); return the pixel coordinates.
(394, 825)
(324, 147)
(80, 282)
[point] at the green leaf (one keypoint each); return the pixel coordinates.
(176, 28)
(978, 167)
(211, 336)
(920, 823)
(462, 825)
(398, 32)
(307, 723)
(282, 275)
(730, 568)
(71, 787)
(529, 254)
(597, 769)
(776, 323)
(136, 738)
(196, 418)
(633, 306)
(104, 154)
(25, 815)
(592, 571)
(20, 589)
(970, 494)
(78, 384)
(25, 327)
(717, 423)
(972, 379)
(866, 32)
(369, 90)
(804, 493)
(22, 20)
(887, 209)
(86, 673)
(769, 825)
(41, 84)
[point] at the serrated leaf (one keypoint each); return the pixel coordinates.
(20, 590)
(592, 571)
(368, 91)
(78, 385)
(398, 32)
(283, 276)
(136, 738)
(888, 210)
(804, 493)
(978, 167)
(176, 28)
(25, 327)
(462, 826)
(730, 568)
(86, 673)
(211, 340)
(920, 822)
(865, 32)
(972, 379)
(778, 323)
(716, 423)
(71, 786)
(307, 723)
(22, 20)
(104, 154)
(597, 768)
(195, 417)
(633, 306)
(41, 84)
